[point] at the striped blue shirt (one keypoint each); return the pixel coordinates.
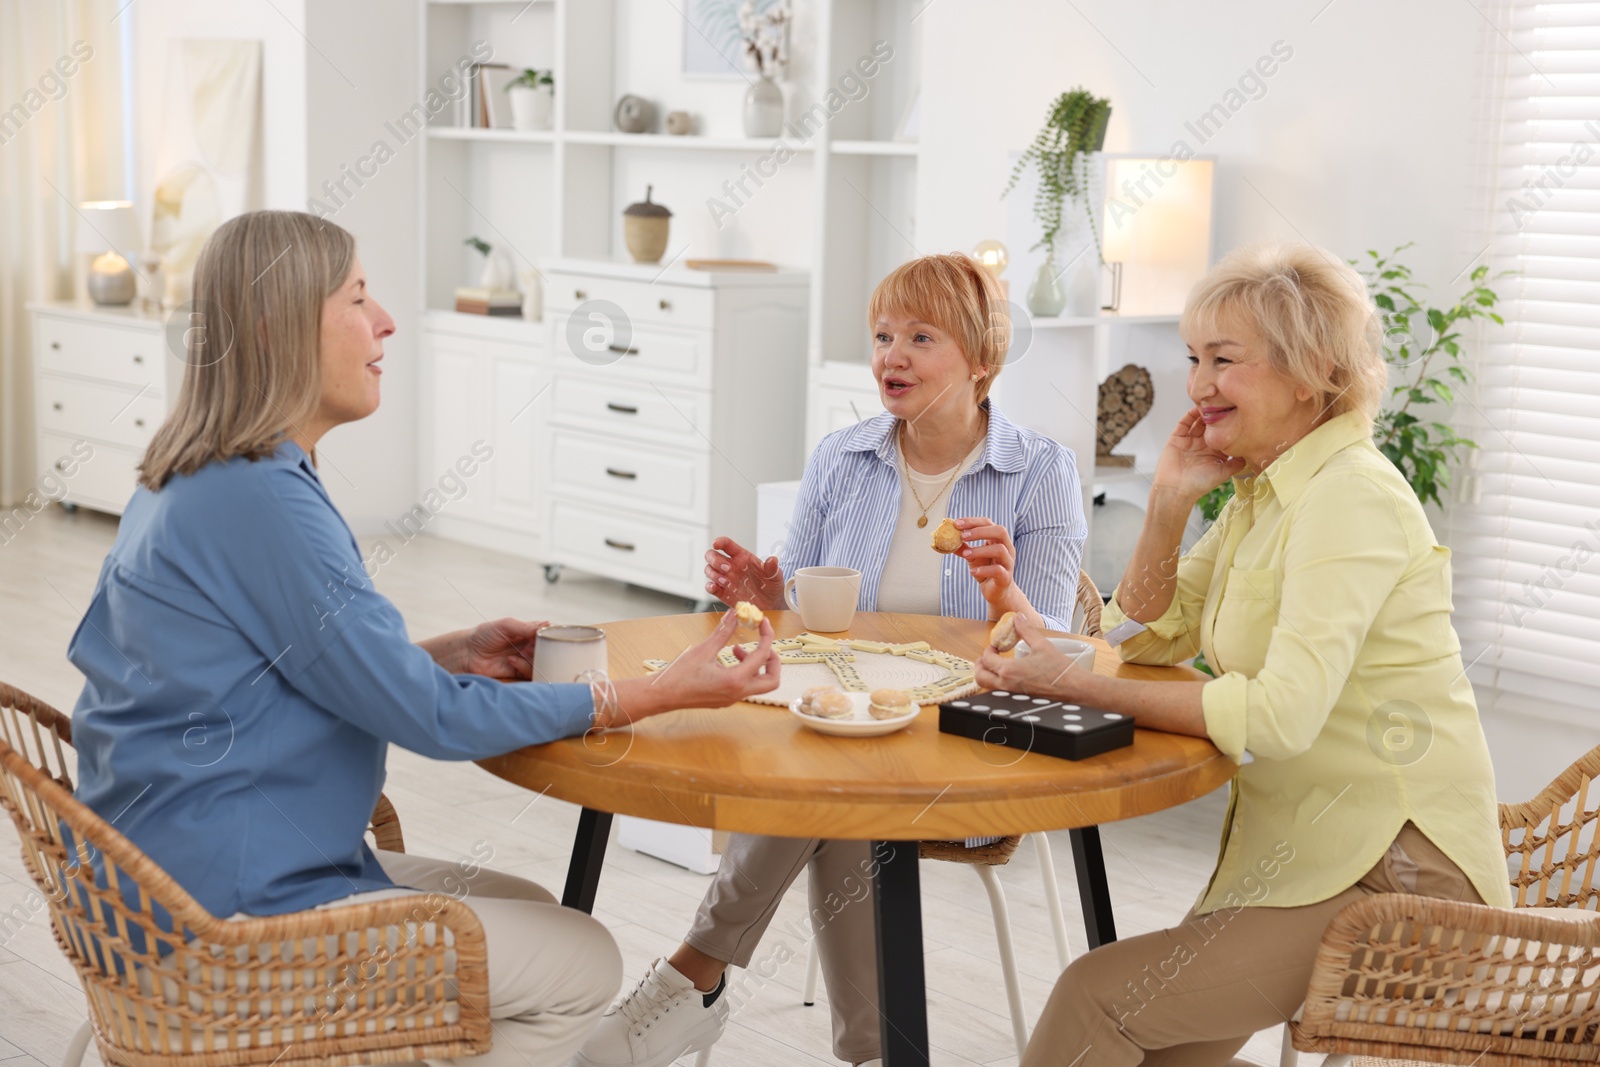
(1027, 482)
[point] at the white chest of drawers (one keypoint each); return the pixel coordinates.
(675, 392)
(103, 382)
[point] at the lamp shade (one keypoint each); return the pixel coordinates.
(1157, 224)
(109, 226)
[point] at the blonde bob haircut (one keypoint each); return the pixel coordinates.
(250, 340)
(956, 296)
(1312, 310)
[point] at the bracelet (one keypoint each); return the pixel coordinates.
(604, 697)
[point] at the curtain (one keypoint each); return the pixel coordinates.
(1527, 538)
(61, 142)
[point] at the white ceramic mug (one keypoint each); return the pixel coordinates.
(562, 653)
(1081, 653)
(825, 597)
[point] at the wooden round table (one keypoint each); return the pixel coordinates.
(755, 768)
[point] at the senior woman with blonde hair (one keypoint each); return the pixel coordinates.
(1322, 601)
(244, 679)
(871, 496)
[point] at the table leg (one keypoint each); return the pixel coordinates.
(902, 990)
(1093, 892)
(588, 853)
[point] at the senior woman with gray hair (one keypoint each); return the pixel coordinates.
(1322, 600)
(234, 604)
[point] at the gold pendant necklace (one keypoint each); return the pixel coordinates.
(922, 520)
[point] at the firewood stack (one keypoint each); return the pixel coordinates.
(1125, 398)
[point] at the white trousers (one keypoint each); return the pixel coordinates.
(552, 970)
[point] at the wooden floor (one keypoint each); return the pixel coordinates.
(1156, 864)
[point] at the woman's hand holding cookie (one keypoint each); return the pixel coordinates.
(991, 559)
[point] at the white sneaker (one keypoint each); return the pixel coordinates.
(655, 1022)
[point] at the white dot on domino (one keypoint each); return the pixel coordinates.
(1074, 729)
(961, 704)
(1070, 707)
(1030, 718)
(1040, 700)
(1112, 715)
(1072, 718)
(1000, 693)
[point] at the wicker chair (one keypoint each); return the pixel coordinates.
(1406, 977)
(986, 858)
(170, 985)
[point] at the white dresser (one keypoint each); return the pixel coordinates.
(485, 392)
(103, 382)
(675, 393)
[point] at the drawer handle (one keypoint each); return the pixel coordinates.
(138, 422)
(56, 405)
(61, 464)
(622, 409)
(627, 476)
(620, 546)
(138, 359)
(623, 350)
(579, 294)
(666, 305)
(55, 346)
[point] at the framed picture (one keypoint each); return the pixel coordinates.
(712, 45)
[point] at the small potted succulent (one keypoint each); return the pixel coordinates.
(533, 97)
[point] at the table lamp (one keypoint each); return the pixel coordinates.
(993, 257)
(109, 231)
(1156, 232)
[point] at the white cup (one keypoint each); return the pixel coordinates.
(1081, 653)
(825, 597)
(562, 653)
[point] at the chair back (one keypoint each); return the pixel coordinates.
(1555, 840)
(1089, 606)
(170, 985)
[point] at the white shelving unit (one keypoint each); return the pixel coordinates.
(840, 208)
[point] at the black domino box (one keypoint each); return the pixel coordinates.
(1036, 724)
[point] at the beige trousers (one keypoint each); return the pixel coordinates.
(1194, 994)
(755, 873)
(552, 970)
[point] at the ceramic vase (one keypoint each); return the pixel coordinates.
(532, 109)
(1047, 296)
(763, 108)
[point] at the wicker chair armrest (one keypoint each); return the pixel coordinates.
(385, 826)
(1397, 971)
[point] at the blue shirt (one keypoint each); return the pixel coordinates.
(244, 680)
(1027, 482)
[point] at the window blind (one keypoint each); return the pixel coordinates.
(1527, 535)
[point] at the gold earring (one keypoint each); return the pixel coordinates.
(975, 377)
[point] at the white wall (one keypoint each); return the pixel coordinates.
(361, 74)
(1362, 139)
(324, 103)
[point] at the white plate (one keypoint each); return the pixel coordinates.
(863, 725)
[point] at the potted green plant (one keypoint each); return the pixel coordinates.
(1423, 345)
(533, 96)
(1074, 128)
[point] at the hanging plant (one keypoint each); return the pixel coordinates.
(1074, 128)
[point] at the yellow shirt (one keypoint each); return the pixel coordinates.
(1322, 600)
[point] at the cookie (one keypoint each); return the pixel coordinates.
(1004, 635)
(889, 703)
(828, 703)
(946, 538)
(749, 615)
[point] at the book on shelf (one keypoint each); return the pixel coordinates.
(495, 106)
(475, 300)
